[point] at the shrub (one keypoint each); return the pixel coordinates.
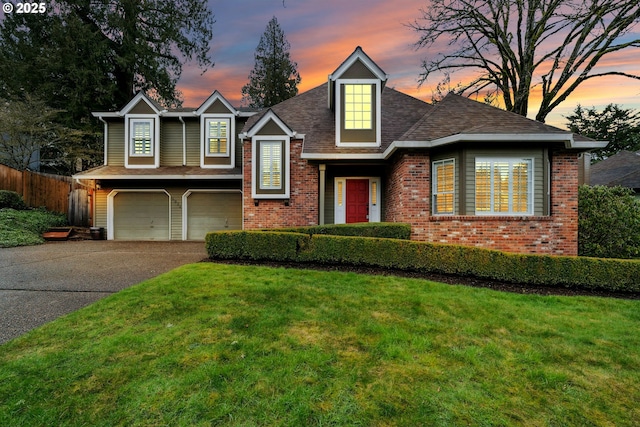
(254, 245)
(581, 272)
(391, 230)
(11, 200)
(608, 222)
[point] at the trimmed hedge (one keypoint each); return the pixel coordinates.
(579, 272)
(390, 230)
(255, 245)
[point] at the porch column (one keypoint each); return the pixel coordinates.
(323, 170)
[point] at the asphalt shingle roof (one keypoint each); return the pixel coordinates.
(308, 114)
(622, 168)
(459, 115)
(404, 118)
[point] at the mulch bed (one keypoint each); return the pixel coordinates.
(444, 278)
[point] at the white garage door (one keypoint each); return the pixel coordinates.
(212, 212)
(141, 216)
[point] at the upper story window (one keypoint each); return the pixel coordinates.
(217, 137)
(504, 186)
(443, 186)
(141, 134)
(358, 109)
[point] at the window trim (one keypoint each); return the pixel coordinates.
(204, 141)
(154, 122)
(434, 191)
(256, 187)
(261, 166)
(359, 104)
(530, 185)
(132, 146)
(376, 119)
(208, 137)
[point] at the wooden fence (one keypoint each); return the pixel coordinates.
(56, 193)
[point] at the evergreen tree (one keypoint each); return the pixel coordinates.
(274, 77)
(619, 126)
(83, 56)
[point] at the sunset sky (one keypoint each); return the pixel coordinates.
(323, 33)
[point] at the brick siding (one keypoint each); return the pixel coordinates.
(303, 202)
(408, 196)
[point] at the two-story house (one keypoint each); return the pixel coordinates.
(169, 175)
(350, 150)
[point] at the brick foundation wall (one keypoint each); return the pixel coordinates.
(303, 201)
(408, 196)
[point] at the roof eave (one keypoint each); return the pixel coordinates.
(565, 138)
(156, 177)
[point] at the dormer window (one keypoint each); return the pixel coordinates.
(142, 148)
(355, 97)
(358, 112)
(141, 137)
(217, 133)
(358, 106)
(217, 137)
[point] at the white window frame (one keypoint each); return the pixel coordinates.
(256, 168)
(205, 119)
(154, 122)
(435, 192)
(530, 185)
(208, 137)
(271, 172)
(376, 115)
(360, 106)
(340, 198)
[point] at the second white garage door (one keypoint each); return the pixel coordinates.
(212, 211)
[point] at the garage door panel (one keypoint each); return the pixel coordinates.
(208, 212)
(141, 216)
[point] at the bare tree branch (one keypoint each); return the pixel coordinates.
(515, 45)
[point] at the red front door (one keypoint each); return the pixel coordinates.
(357, 200)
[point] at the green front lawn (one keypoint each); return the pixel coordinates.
(210, 344)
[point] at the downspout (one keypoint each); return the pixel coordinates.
(184, 141)
(106, 138)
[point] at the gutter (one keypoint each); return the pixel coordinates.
(567, 139)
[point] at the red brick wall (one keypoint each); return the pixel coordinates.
(408, 194)
(303, 201)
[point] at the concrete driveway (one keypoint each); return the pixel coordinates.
(41, 283)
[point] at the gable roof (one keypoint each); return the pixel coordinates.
(308, 114)
(623, 168)
(359, 55)
(215, 96)
(141, 96)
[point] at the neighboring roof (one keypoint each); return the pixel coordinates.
(623, 168)
(163, 172)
